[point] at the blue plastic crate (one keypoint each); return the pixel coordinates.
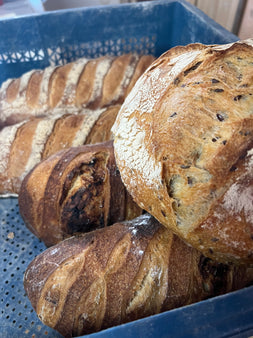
(59, 37)
(56, 38)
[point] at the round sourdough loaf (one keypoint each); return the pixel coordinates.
(184, 146)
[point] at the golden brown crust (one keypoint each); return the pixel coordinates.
(63, 134)
(114, 78)
(117, 79)
(21, 148)
(12, 90)
(75, 190)
(33, 90)
(121, 273)
(179, 138)
(85, 87)
(101, 130)
(57, 84)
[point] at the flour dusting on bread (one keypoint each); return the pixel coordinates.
(191, 113)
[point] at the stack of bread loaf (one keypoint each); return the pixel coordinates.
(159, 217)
(45, 111)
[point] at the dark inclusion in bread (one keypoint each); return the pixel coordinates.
(183, 143)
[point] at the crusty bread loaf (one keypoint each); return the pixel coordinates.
(76, 190)
(121, 273)
(183, 144)
(85, 83)
(25, 144)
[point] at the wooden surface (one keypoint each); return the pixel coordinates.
(227, 13)
(246, 29)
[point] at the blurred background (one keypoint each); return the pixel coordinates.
(234, 15)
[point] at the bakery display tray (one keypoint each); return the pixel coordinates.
(54, 38)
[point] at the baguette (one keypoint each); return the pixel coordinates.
(76, 190)
(122, 273)
(27, 143)
(85, 83)
(183, 144)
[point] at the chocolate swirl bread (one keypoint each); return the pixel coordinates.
(122, 273)
(183, 144)
(75, 190)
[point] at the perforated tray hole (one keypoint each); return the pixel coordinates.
(62, 54)
(18, 247)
